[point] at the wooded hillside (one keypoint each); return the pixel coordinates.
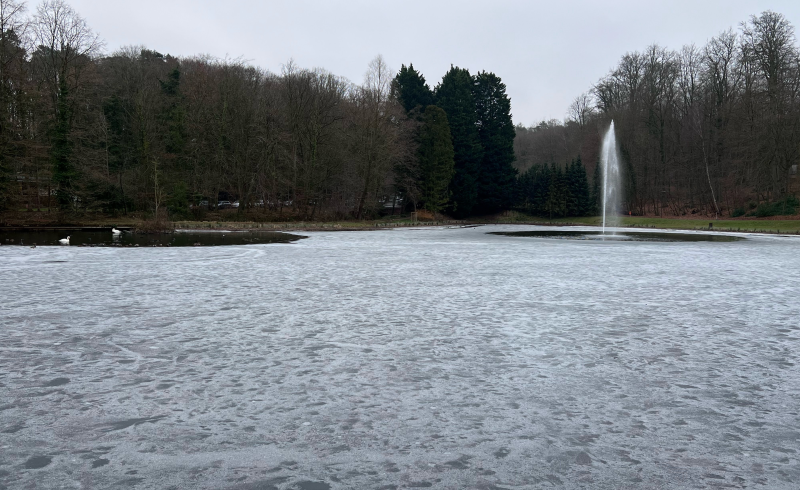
(711, 129)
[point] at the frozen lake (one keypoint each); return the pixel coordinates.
(441, 358)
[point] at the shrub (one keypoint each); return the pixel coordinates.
(737, 212)
(786, 206)
(765, 209)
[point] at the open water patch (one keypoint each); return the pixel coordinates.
(37, 462)
(629, 236)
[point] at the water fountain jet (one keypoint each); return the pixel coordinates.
(609, 159)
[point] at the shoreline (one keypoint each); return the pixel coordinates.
(769, 226)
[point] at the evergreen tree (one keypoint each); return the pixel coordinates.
(534, 184)
(540, 190)
(435, 158)
(61, 150)
(597, 186)
(554, 194)
(454, 95)
(496, 132)
(549, 191)
(410, 89)
(584, 205)
(572, 191)
(173, 116)
(120, 150)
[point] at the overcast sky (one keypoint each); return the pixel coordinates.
(547, 53)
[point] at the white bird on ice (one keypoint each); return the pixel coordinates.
(64, 241)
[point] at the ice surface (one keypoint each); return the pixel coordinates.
(442, 358)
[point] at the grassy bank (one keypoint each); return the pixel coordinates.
(223, 222)
(307, 225)
(744, 225)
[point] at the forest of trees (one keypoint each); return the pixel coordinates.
(138, 131)
(552, 192)
(711, 130)
(478, 113)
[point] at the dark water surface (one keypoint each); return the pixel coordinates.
(413, 358)
(128, 239)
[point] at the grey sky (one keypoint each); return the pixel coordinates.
(547, 53)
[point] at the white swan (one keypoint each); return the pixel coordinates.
(64, 241)
(116, 231)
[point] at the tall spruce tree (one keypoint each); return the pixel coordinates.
(572, 194)
(435, 159)
(454, 95)
(174, 114)
(173, 118)
(584, 195)
(496, 131)
(597, 185)
(410, 89)
(555, 192)
(64, 172)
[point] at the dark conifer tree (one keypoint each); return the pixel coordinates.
(597, 186)
(410, 89)
(584, 205)
(64, 172)
(541, 189)
(435, 159)
(571, 188)
(173, 116)
(454, 95)
(496, 131)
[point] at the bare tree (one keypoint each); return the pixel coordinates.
(376, 132)
(581, 109)
(12, 59)
(63, 45)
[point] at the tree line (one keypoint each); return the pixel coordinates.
(555, 192)
(141, 131)
(712, 130)
(481, 175)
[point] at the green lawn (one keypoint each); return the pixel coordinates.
(768, 226)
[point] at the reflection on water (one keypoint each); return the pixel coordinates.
(637, 236)
(128, 239)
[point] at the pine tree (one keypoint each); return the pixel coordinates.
(496, 132)
(554, 193)
(584, 207)
(436, 159)
(120, 152)
(410, 89)
(597, 197)
(571, 189)
(173, 116)
(541, 189)
(61, 150)
(454, 95)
